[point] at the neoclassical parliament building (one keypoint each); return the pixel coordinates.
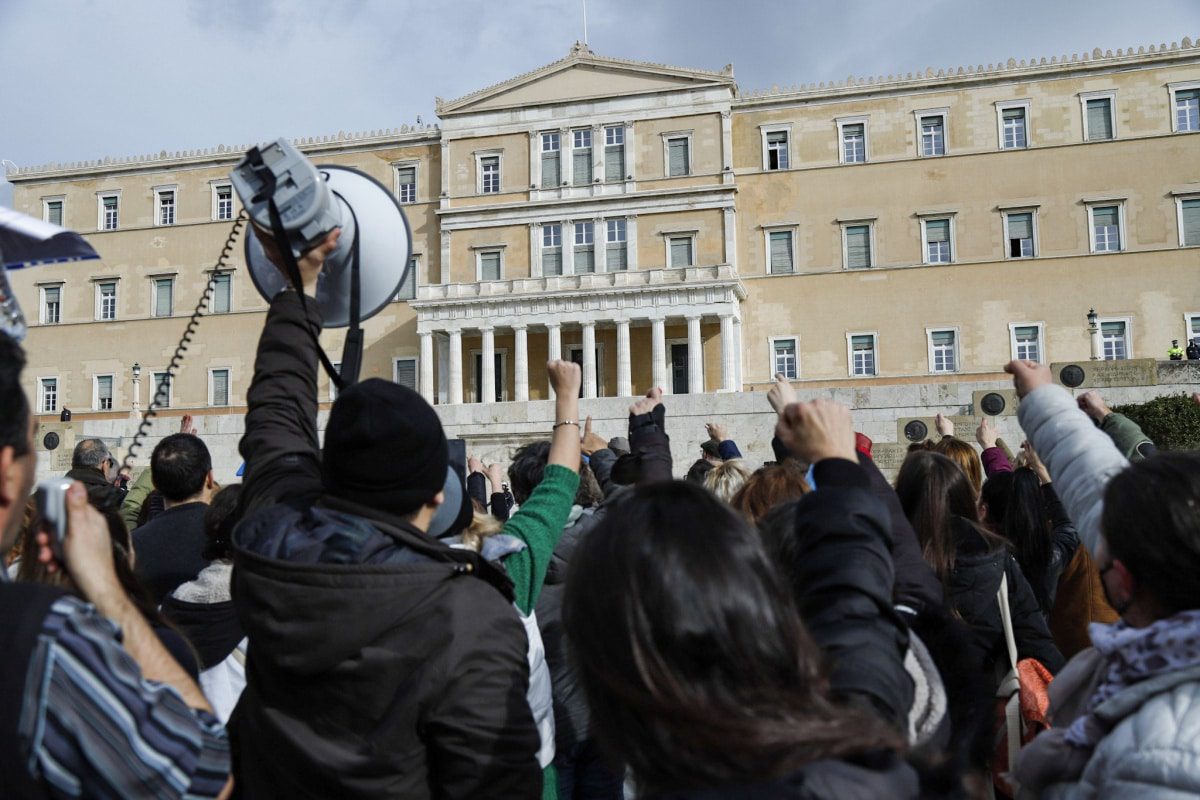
(662, 226)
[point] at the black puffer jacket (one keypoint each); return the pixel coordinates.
(974, 582)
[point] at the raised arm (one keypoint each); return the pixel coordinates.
(648, 438)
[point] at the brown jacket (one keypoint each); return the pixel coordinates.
(1079, 601)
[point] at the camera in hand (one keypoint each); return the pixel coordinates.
(51, 502)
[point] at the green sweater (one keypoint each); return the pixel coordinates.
(139, 490)
(539, 523)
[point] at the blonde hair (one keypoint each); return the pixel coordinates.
(965, 456)
(482, 526)
(725, 479)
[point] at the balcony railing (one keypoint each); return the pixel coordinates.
(587, 282)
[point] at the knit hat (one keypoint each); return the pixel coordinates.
(384, 448)
(711, 448)
(619, 445)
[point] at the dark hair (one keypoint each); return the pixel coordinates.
(14, 405)
(689, 649)
(1016, 511)
(935, 493)
(527, 469)
(770, 486)
(219, 521)
(965, 456)
(179, 465)
(1151, 525)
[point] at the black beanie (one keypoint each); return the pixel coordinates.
(384, 448)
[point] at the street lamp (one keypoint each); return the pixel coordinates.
(1094, 333)
(137, 388)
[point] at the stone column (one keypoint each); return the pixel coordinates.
(444, 265)
(589, 359)
(535, 250)
(568, 247)
(729, 219)
(456, 375)
(631, 242)
(521, 366)
(487, 375)
(739, 356)
(728, 354)
(658, 353)
(535, 160)
(553, 347)
(695, 357)
(624, 379)
(426, 382)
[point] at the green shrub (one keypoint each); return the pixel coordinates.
(1172, 421)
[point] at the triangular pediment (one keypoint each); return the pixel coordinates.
(580, 77)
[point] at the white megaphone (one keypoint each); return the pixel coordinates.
(300, 203)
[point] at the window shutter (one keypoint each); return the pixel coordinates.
(776, 137)
(220, 388)
(408, 286)
(678, 157)
(220, 299)
(1013, 114)
(550, 173)
(943, 337)
(614, 162)
(1099, 116)
(52, 294)
(585, 259)
(1020, 226)
(406, 373)
(1191, 222)
(489, 266)
(681, 252)
(1186, 95)
(162, 298)
(581, 166)
(1105, 217)
(552, 261)
(781, 252)
(1112, 328)
(55, 213)
(617, 257)
(858, 246)
(937, 230)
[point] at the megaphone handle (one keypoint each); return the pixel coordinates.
(353, 349)
(352, 352)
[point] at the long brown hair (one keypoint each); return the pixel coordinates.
(770, 486)
(965, 456)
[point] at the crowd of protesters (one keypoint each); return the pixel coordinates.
(361, 619)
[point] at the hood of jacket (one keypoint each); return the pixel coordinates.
(315, 586)
(977, 571)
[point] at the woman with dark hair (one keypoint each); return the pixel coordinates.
(697, 668)
(970, 561)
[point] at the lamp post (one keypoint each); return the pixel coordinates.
(1094, 332)
(137, 388)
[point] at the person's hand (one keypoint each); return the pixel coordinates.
(1035, 463)
(781, 394)
(644, 405)
(986, 433)
(1093, 405)
(817, 430)
(565, 378)
(186, 426)
(1028, 375)
(309, 264)
(87, 548)
(591, 441)
(474, 464)
(495, 476)
(945, 427)
(717, 432)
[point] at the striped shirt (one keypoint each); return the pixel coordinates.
(90, 724)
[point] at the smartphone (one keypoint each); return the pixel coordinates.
(51, 501)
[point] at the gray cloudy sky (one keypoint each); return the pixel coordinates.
(83, 79)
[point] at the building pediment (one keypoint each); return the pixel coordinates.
(584, 76)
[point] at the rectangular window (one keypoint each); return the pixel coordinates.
(1187, 110)
(224, 202)
(51, 305)
(110, 215)
(166, 207)
(616, 253)
(585, 249)
(104, 393)
(614, 153)
(782, 257)
(1018, 229)
(785, 358)
(1099, 118)
(552, 249)
(854, 143)
(1189, 222)
(1026, 343)
(164, 297)
(581, 157)
(106, 300)
(862, 354)
(937, 241)
(777, 150)
(551, 147)
(408, 286)
(679, 249)
(54, 212)
(222, 296)
(406, 184)
(1013, 131)
(1114, 336)
(489, 175)
(933, 135)
(679, 160)
(1106, 228)
(489, 265)
(857, 244)
(218, 387)
(404, 372)
(943, 355)
(161, 383)
(48, 391)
